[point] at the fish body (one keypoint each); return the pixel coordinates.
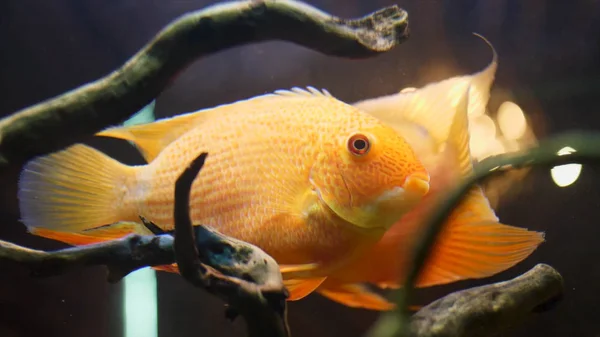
(274, 177)
(309, 179)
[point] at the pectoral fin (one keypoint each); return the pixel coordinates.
(152, 138)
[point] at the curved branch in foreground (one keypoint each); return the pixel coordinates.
(243, 275)
(42, 128)
(263, 306)
(122, 256)
(491, 309)
(587, 145)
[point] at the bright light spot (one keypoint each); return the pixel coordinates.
(408, 89)
(565, 175)
(478, 148)
(566, 150)
(141, 317)
(496, 147)
(483, 126)
(482, 139)
(511, 145)
(483, 149)
(511, 120)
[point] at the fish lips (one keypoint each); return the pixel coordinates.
(417, 184)
(394, 203)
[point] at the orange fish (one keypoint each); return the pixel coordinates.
(309, 179)
(473, 244)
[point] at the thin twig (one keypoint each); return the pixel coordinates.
(61, 121)
(263, 305)
(587, 145)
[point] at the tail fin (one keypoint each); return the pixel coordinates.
(75, 189)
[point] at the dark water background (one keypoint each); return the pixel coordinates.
(549, 61)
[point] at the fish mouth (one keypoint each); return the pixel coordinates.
(417, 184)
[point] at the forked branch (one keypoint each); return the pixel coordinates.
(261, 302)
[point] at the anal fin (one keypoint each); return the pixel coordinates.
(292, 271)
(170, 268)
(300, 288)
(91, 236)
(356, 296)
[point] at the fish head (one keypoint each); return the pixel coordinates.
(371, 177)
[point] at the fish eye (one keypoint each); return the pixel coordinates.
(359, 144)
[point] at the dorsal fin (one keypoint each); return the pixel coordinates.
(152, 138)
(458, 136)
(145, 115)
(308, 92)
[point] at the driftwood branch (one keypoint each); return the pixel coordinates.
(242, 274)
(483, 311)
(491, 309)
(230, 256)
(587, 145)
(476, 312)
(121, 256)
(263, 305)
(61, 121)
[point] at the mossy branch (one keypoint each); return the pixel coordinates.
(587, 145)
(61, 121)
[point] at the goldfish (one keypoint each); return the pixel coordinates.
(311, 180)
(473, 243)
